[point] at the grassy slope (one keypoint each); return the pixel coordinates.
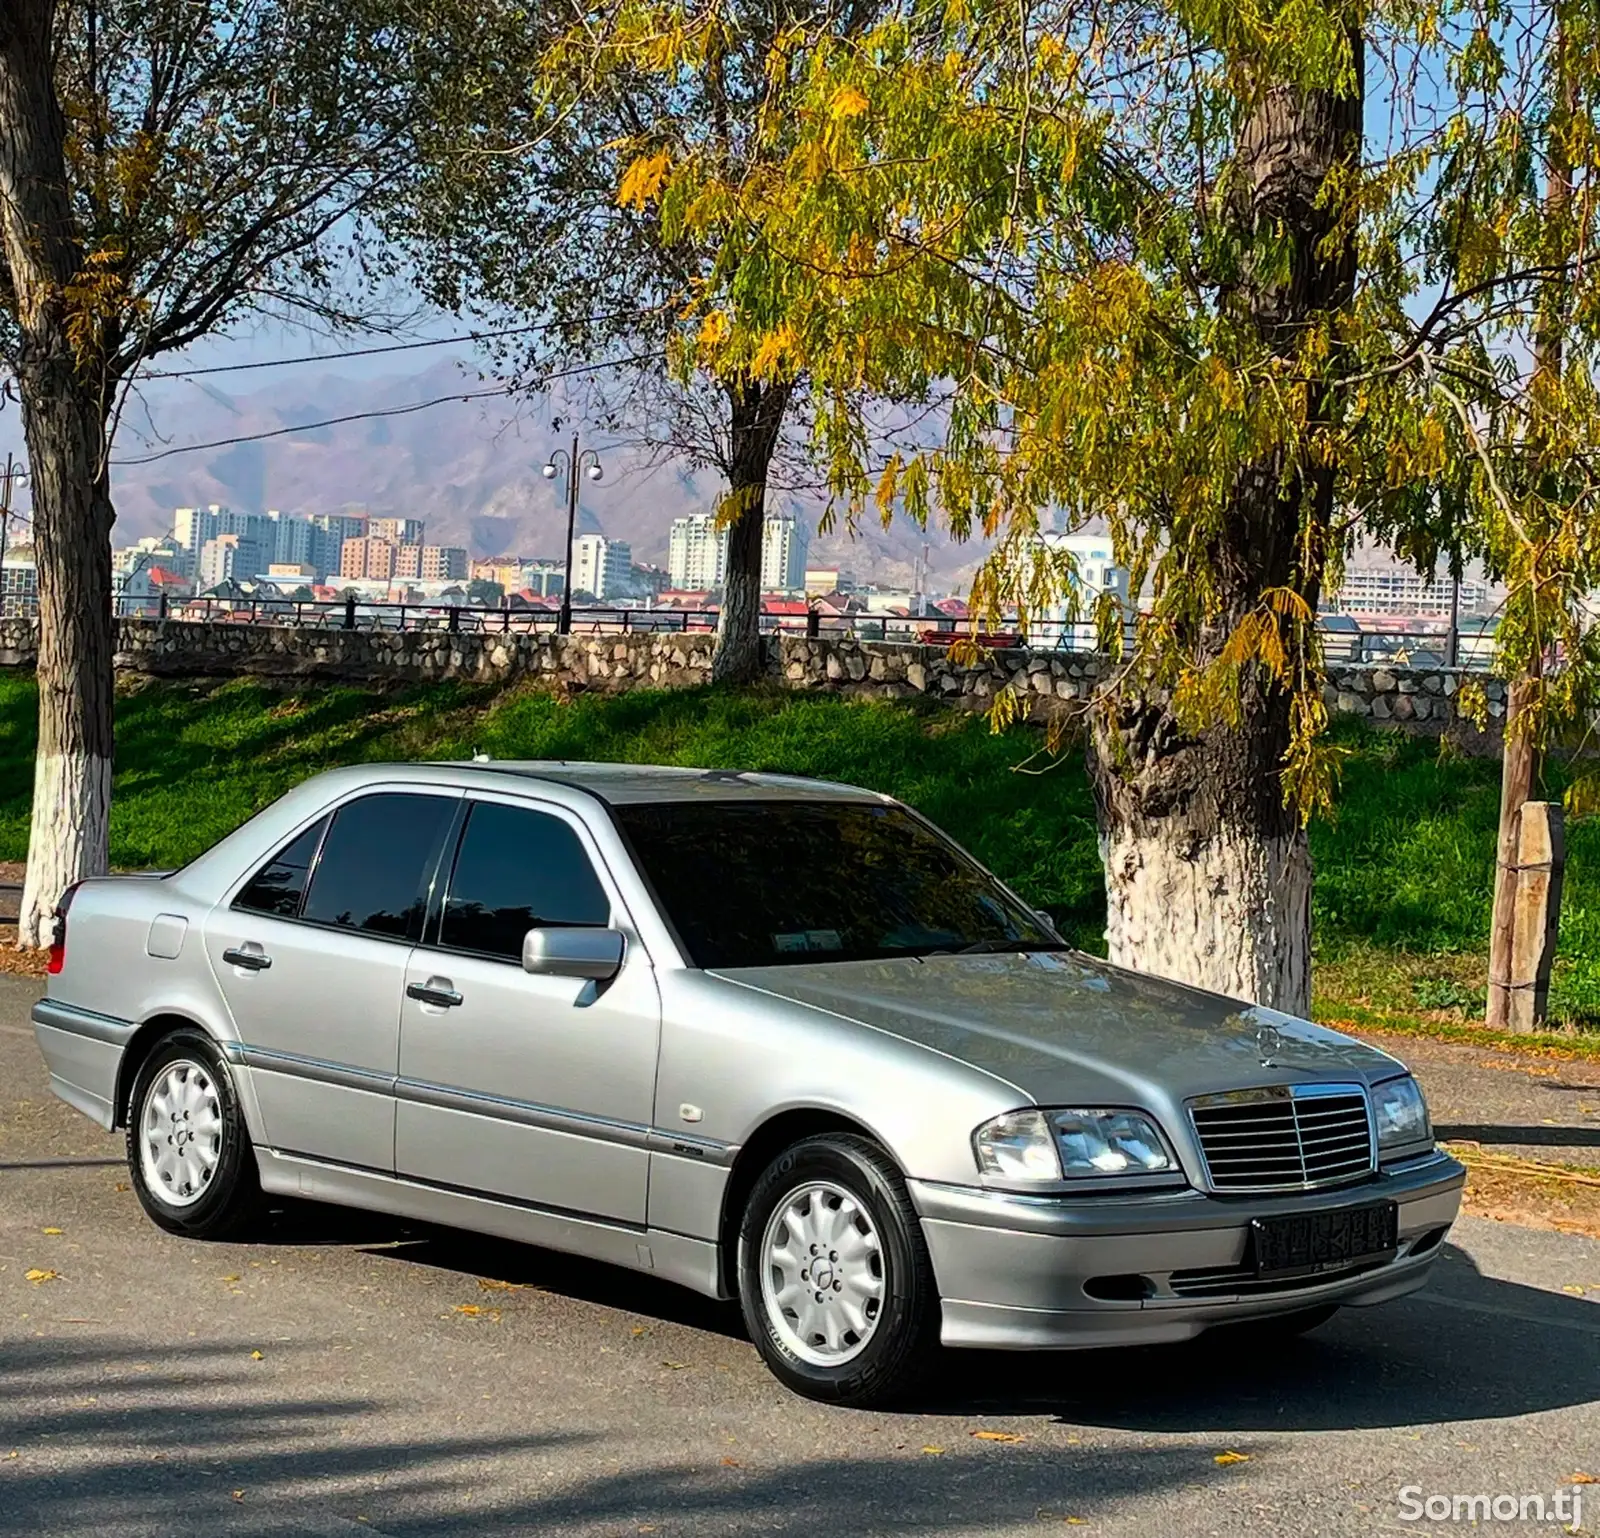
(1402, 875)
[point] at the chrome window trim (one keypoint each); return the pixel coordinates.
(1286, 1092)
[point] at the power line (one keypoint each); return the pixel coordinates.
(369, 352)
(367, 416)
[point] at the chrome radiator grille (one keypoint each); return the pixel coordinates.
(1285, 1139)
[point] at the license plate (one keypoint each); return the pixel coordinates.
(1305, 1243)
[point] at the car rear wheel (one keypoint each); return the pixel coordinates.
(189, 1151)
(834, 1277)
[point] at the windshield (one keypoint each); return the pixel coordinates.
(772, 883)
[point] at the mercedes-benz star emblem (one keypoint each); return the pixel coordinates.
(1268, 1043)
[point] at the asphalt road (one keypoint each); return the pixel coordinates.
(350, 1375)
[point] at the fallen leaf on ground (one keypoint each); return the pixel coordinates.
(36, 1275)
(492, 1284)
(730, 1463)
(999, 1436)
(238, 1495)
(1231, 1457)
(640, 1329)
(52, 1230)
(230, 1278)
(257, 1356)
(122, 1185)
(1571, 1287)
(468, 1308)
(1579, 1478)
(675, 1366)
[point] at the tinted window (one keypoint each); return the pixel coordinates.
(375, 862)
(280, 884)
(517, 869)
(749, 884)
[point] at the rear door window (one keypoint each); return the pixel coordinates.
(376, 864)
(516, 870)
(280, 884)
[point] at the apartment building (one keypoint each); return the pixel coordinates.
(602, 566)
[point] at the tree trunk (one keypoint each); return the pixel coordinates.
(1208, 875)
(65, 390)
(755, 420)
(1519, 771)
(1521, 754)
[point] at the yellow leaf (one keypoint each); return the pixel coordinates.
(675, 1366)
(847, 102)
(639, 1330)
(257, 1356)
(714, 328)
(1583, 1479)
(999, 1436)
(643, 180)
(933, 1452)
(730, 1463)
(230, 1278)
(1231, 1457)
(52, 1230)
(490, 1284)
(468, 1308)
(36, 1275)
(238, 1495)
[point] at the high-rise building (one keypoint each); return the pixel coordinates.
(601, 566)
(329, 532)
(292, 538)
(408, 561)
(398, 531)
(444, 563)
(697, 553)
(783, 556)
(231, 558)
(195, 527)
(369, 557)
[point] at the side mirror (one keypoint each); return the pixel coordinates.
(595, 954)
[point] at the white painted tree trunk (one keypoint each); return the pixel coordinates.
(1229, 911)
(71, 808)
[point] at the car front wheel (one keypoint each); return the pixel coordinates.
(189, 1151)
(834, 1277)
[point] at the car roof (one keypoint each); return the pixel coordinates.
(626, 784)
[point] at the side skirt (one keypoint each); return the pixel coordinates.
(691, 1263)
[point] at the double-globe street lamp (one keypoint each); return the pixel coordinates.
(575, 464)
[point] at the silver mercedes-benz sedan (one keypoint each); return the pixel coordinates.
(766, 1037)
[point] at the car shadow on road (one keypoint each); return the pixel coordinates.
(1528, 1137)
(1470, 1347)
(1462, 1350)
(112, 1437)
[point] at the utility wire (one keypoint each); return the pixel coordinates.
(367, 416)
(369, 352)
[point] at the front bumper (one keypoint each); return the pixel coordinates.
(1013, 1270)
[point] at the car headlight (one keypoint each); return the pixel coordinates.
(1400, 1113)
(1072, 1144)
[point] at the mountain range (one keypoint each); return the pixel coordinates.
(469, 467)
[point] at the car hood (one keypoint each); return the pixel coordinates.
(1062, 1027)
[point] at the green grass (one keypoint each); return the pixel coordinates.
(1402, 873)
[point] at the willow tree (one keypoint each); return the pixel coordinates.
(1158, 266)
(165, 166)
(536, 202)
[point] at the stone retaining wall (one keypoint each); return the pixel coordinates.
(1417, 699)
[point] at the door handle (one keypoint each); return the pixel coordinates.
(252, 960)
(436, 991)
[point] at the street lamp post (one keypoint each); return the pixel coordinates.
(575, 464)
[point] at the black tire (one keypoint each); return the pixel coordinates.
(231, 1201)
(905, 1326)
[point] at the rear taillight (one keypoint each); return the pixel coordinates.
(58, 933)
